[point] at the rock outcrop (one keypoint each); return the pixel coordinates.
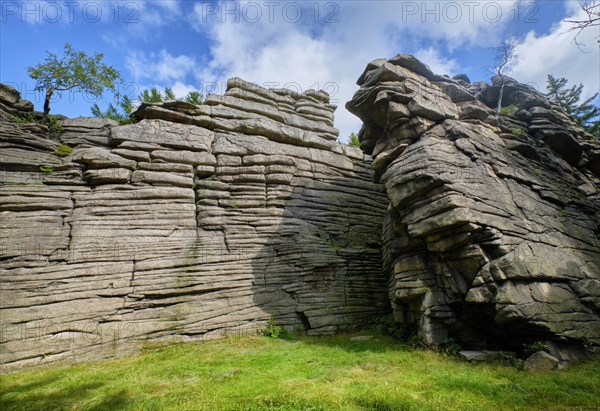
(197, 222)
(193, 223)
(492, 232)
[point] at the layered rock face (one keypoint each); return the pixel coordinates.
(193, 223)
(492, 233)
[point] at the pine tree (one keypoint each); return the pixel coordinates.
(586, 113)
(353, 140)
(194, 97)
(122, 112)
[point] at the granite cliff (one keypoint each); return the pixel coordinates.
(194, 223)
(492, 232)
(203, 221)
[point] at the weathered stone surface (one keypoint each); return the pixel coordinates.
(194, 223)
(492, 234)
(485, 356)
(541, 361)
(9, 95)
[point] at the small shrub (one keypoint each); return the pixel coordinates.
(510, 361)
(407, 335)
(53, 125)
(450, 347)
(509, 110)
(24, 118)
(534, 347)
(47, 169)
(390, 327)
(63, 150)
(414, 341)
(272, 330)
(518, 131)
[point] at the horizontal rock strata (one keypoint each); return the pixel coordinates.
(193, 223)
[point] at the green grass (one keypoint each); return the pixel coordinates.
(333, 373)
(63, 150)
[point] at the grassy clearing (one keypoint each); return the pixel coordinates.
(333, 373)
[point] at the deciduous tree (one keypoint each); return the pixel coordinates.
(74, 70)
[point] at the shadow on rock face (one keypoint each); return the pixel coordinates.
(320, 269)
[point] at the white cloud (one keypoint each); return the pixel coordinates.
(556, 53)
(328, 48)
(332, 55)
(162, 67)
(181, 90)
(437, 63)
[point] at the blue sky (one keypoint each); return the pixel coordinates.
(189, 45)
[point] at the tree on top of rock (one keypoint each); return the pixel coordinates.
(353, 140)
(122, 112)
(154, 95)
(74, 70)
(586, 114)
(506, 57)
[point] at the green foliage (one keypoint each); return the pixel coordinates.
(121, 113)
(53, 124)
(63, 150)
(353, 140)
(24, 118)
(74, 70)
(194, 97)
(390, 327)
(154, 95)
(408, 336)
(47, 169)
(50, 121)
(534, 347)
(510, 360)
(169, 95)
(450, 347)
(518, 131)
(302, 373)
(272, 330)
(509, 110)
(585, 113)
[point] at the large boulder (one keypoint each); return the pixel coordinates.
(492, 234)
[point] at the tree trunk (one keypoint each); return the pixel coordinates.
(49, 93)
(500, 97)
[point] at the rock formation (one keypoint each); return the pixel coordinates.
(202, 221)
(193, 223)
(492, 232)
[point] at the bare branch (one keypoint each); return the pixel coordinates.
(592, 19)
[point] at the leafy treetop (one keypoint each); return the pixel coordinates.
(586, 114)
(75, 69)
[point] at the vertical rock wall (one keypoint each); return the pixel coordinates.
(195, 222)
(492, 235)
